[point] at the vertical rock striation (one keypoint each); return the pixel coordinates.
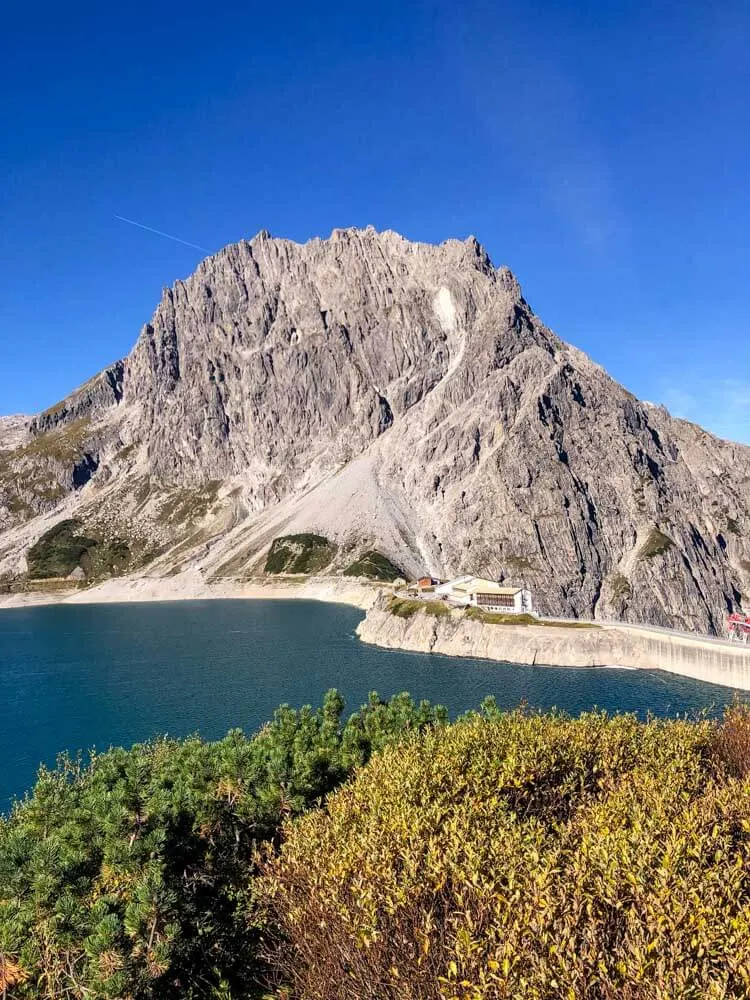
(404, 397)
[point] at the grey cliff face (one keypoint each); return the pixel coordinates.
(402, 397)
(13, 431)
(91, 400)
(288, 358)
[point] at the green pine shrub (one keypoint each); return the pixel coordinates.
(374, 565)
(131, 876)
(59, 550)
(65, 547)
(305, 553)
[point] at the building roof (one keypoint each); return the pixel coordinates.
(475, 585)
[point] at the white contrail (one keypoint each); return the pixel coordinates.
(158, 232)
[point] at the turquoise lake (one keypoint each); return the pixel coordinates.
(73, 677)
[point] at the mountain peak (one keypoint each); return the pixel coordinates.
(394, 396)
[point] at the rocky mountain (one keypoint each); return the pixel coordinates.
(13, 431)
(389, 397)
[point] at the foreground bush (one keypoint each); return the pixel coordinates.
(130, 877)
(527, 857)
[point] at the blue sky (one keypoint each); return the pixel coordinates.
(600, 150)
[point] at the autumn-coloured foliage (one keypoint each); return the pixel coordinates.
(733, 740)
(521, 855)
(528, 857)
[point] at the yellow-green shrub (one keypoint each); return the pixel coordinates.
(732, 742)
(527, 857)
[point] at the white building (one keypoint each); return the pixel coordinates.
(446, 589)
(472, 591)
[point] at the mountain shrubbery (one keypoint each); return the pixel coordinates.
(64, 548)
(528, 857)
(305, 553)
(59, 551)
(374, 565)
(524, 856)
(131, 876)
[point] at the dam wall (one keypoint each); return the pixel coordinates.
(563, 644)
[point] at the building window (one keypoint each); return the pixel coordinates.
(496, 600)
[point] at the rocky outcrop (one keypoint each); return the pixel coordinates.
(289, 361)
(91, 400)
(13, 431)
(398, 397)
(561, 645)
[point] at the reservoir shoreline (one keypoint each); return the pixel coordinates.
(191, 586)
(565, 645)
(76, 677)
(573, 644)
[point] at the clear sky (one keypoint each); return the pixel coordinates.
(601, 150)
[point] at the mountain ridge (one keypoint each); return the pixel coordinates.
(394, 396)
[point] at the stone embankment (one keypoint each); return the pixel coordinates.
(565, 644)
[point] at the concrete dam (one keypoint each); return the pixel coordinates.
(563, 644)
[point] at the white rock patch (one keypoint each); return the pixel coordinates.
(445, 310)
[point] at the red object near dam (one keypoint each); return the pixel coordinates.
(739, 626)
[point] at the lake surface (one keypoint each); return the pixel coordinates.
(73, 677)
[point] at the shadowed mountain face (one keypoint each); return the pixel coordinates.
(390, 396)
